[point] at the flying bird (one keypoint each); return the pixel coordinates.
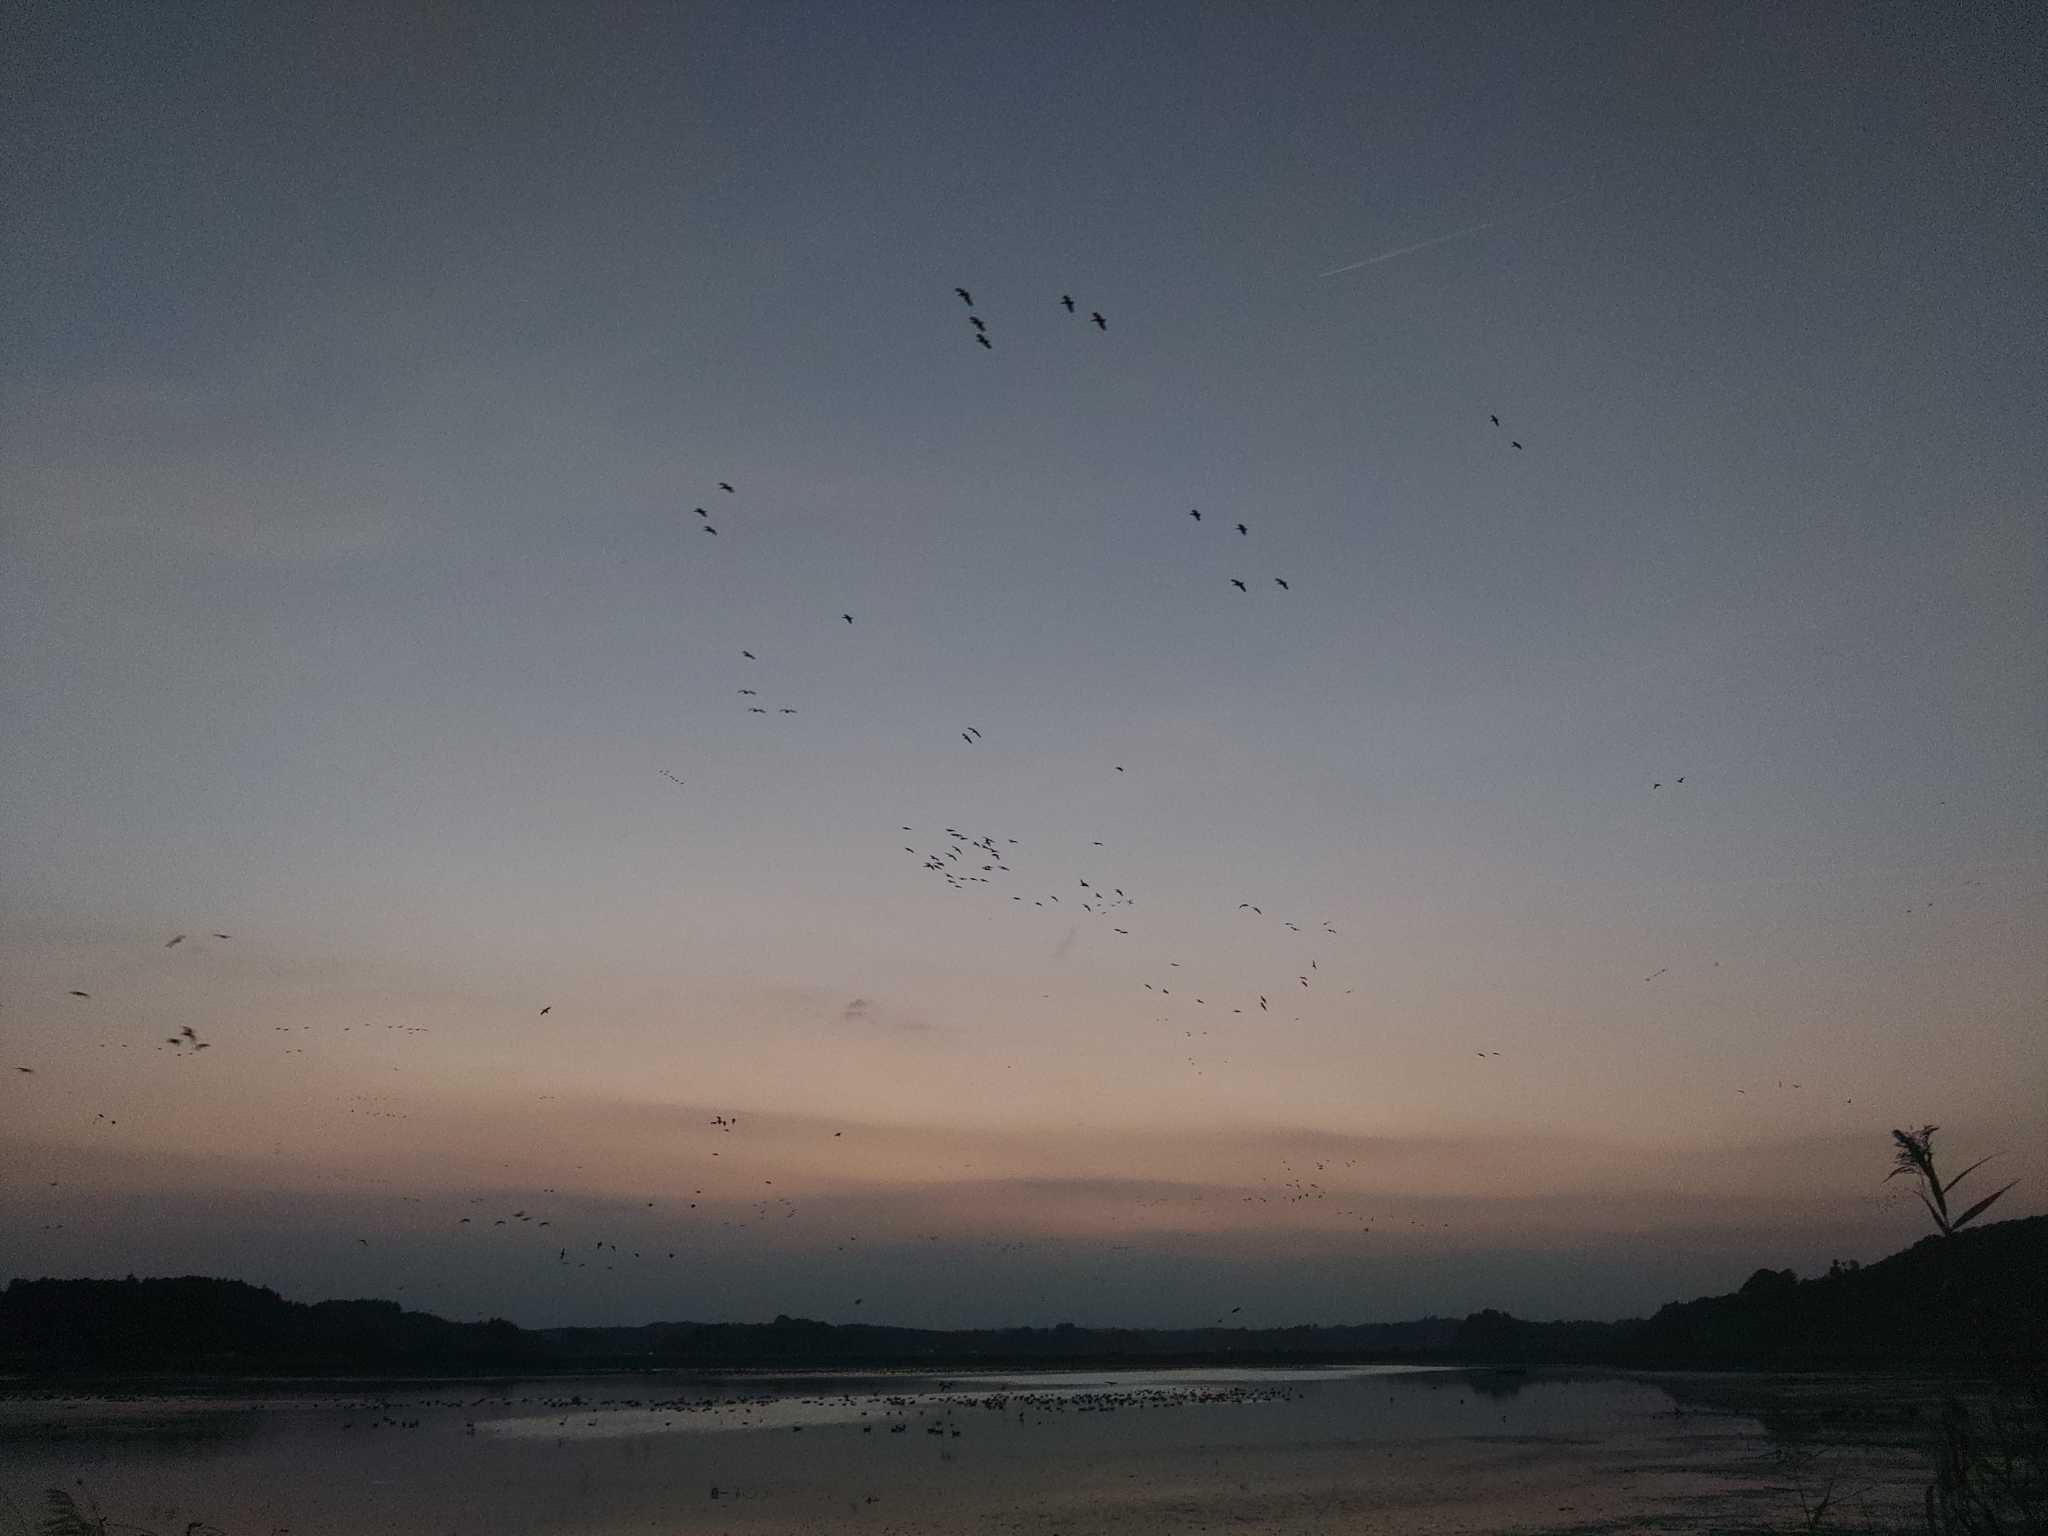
(1281, 583)
(1495, 420)
(1196, 516)
(748, 654)
(223, 935)
(700, 511)
(1239, 585)
(749, 693)
(965, 297)
(175, 941)
(978, 336)
(1514, 445)
(977, 322)
(1068, 300)
(724, 485)
(547, 1010)
(1242, 529)
(1100, 323)
(672, 778)
(708, 528)
(847, 616)
(786, 710)
(76, 993)
(31, 1071)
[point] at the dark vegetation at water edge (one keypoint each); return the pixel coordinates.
(1949, 1297)
(1873, 1317)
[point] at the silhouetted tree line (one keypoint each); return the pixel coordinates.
(1854, 1317)
(194, 1323)
(1875, 1316)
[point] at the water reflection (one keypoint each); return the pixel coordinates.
(1294, 1449)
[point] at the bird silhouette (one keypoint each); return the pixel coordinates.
(31, 1071)
(1068, 300)
(1495, 420)
(1196, 516)
(984, 341)
(724, 485)
(786, 711)
(1100, 323)
(223, 935)
(965, 297)
(76, 993)
(748, 654)
(700, 511)
(757, 710)
(748, 693)
(1514, 445)
(1242, 529)
(707, 528)
(1238, 584)
(547, 1010)
(175, 941)
(977, 322)
(1281, 583)
(847, 616)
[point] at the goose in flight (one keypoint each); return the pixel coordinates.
(978, 336)
(725, 485)
(1243, 530)
(1238, 584)
(1068, 300)
(965, 297)
(1100, 323)
(176, 940)
(1281, 583)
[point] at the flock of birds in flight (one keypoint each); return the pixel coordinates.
(963, 862)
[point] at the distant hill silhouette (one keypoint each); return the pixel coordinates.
(1940, 1301)
(1943, 1300)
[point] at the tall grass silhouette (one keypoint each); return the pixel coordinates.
(1990, 1473)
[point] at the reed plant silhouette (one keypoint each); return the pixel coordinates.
(1990, 1450)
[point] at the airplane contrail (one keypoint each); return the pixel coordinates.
(1456, 234)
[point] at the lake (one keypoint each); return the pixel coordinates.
(1337, 1449)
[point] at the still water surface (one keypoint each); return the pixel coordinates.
(1343, 1449)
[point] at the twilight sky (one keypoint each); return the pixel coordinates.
(364, 367)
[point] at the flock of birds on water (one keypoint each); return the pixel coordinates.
(962, 861)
